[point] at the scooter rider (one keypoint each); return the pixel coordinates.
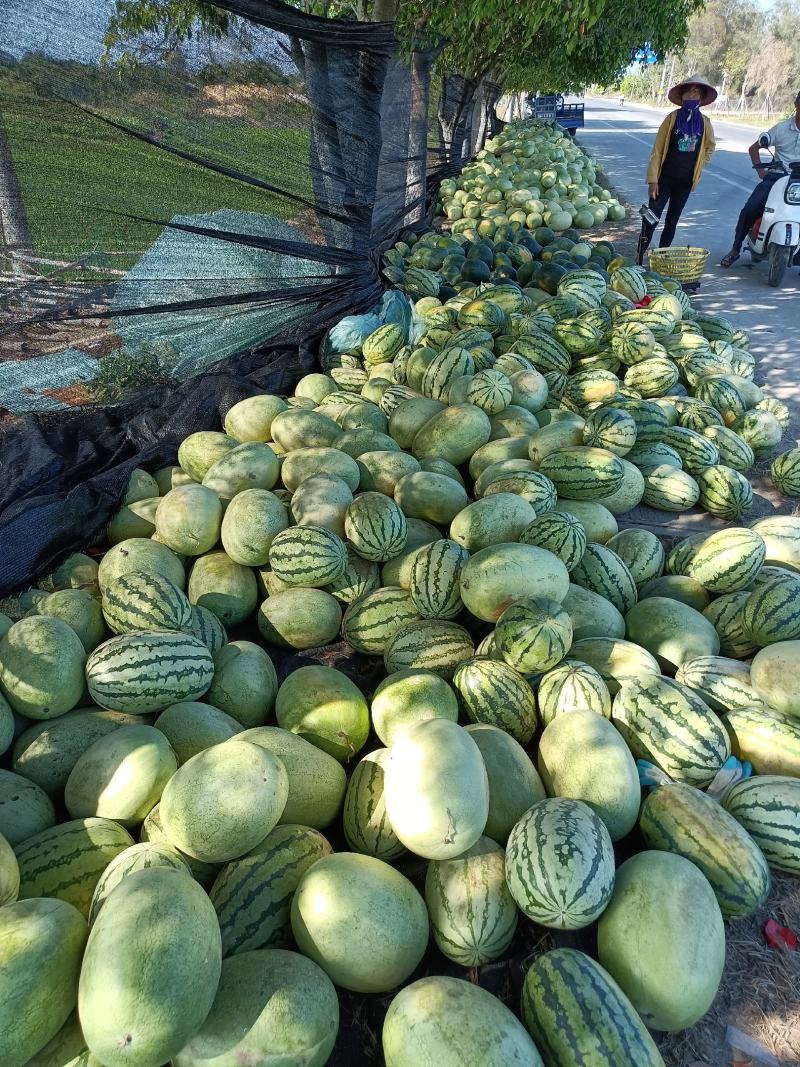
(784, 138)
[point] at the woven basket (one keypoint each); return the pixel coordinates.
(684, 263)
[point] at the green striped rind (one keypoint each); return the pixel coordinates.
(724, 684)
(582, 473)
(727, 561)
(695, 449)
(649, 418)
(768, 739)
(661, 323)
(560, 864)
(533, 634)
(371, 621)
(724, 492)
(142, 601)
(579, 338)
(572, 686)
(702, 417)
(359, 577)
(678, 818)
(560, 533)
(252, 896)
(778, 409)
(665, 723)
(632, 342)
(610, 428)
(148, 670)
(726, 616)
(629, 281)
(482, 313)
(307, 556)
(652, 377)
(472, 337)
(683, 553)
(532, 486)
(602, 571)
(723, 395)
(641, 552)
(494, 693)
(383, 344)
(366, 824)
(432, 644)
(393, 396)
(206, 627)
(785, 472)
(442, 371)
(616, 661)
(66, 861)
(473, 915)
(376, 527)
(435, 579)
(772, 611)
(654, 455)
(578, 1016)
(715, 327)
(669, 489)
(491, 391)
(139, 857)
(768, 807)
(545, 353)
(733, 450)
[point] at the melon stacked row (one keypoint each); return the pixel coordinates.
(197, 858)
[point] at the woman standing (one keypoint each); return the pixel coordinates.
(684, 144)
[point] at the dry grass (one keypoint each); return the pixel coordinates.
(759, 994)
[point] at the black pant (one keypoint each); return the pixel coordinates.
(754, 208)
(677, 193)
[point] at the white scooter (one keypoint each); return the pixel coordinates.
(776, 235)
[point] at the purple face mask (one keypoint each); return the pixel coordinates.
(690, 121)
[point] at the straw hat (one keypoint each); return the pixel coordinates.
(675, 95)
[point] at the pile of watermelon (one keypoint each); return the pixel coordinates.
(574, 725)
(532, 173)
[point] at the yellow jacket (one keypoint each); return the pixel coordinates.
(659, 154)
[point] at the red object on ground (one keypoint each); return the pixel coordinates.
(778, 936)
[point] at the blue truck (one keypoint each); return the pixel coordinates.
(553, 109)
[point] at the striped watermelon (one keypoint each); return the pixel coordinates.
(650, 419)
(442, 371)
(393, 396)
(602, 571)
(138, 857)
(772, 611)
(720, 393)
(371, 620)
(701, 417)
(572, 686)
(660, 322)
(145, 601)
(724, 684)
(66, 861)
(545, 353)
(490, 390)
(472, 337)
(669, 489)
(616, 661)
(768, 739)
(630, 281)
(473, 915)
(376, 527)
(483, 313)
(560, 864)
(532, 486)
(733, 450)
(206, 627)
(577, 337)
(560, 533)
(556, 385)
(578, 1015)
(652, 377)
(785, 472)
(641, 552)
(632, 342)
(590, 386)
(252, 896)
(433, 645)
(727, 561)
(695, 449)
(681, 819)
(683, 553)
(715, 327)
(148, 670)
(366, 824)
(725, 615)
(768, 807)
(308, 556)
(645, 457)
(383, 344)
(496, 694)
(612, 429)
(724, 492)
(665, 723)
(533, 634)
(359, 577)
(778, 409)
(435, 578)
(582, 473)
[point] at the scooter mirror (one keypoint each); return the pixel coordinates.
(763, 141)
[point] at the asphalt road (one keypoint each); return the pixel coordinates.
(622, 139)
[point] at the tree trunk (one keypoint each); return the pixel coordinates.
(455, 98)
(390, 192)
(14, 230)
(421, 64)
